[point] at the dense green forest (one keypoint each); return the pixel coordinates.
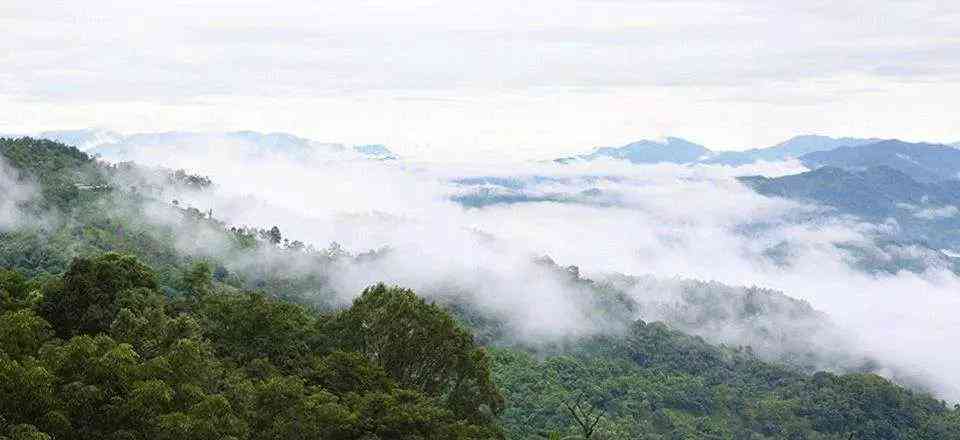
(124, 315)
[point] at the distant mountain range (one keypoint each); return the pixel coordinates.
(84, 139)
(115, 146)
(671, 149)
(792, 148)
(926, 212)
(875, 192)
(915, 187)
(922, 162)
(680, 151)
(912, 188)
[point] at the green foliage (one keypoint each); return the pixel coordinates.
(16, 291)
(198, 279)
(655, 383)
(85, 300)
(25, 432)
(250, 326)
(22, 333)
(140, 365)
(422, 347)
(58, 169)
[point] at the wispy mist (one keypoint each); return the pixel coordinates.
(13, 193)
(604, 217)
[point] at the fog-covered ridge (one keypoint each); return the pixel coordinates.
(681, 151)
(119, 147)
(921, 161)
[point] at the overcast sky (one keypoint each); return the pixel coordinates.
(502, 79)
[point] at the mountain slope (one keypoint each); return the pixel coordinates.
(671, 149)
(118, 147)
(924, 211)
(140, 145)
(873, 193)
(680, 151)
(379, 151)
(922, 162)
(791, 148)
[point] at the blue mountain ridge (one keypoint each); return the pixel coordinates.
(680, 151)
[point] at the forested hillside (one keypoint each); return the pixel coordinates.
(127, 314)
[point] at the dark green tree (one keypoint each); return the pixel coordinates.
(422, 348)
(85, 300)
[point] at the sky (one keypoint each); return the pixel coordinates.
(494, 79)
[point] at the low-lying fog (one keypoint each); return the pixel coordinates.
(481, 224)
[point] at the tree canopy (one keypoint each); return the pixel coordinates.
(133, 363)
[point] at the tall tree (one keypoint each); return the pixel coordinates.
(421, 347)
(84, 301)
